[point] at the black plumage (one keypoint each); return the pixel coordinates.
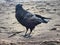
(28, 19)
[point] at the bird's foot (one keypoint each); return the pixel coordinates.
(27, 35)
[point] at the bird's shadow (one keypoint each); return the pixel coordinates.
(27, 36)
(14, 34)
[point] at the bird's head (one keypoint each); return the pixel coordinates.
(18, 6)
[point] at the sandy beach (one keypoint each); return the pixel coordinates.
(43, 34)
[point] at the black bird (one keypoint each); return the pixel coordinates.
(28, 19)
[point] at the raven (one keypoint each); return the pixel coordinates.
(28, 19)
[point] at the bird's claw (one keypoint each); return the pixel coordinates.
(27, 35)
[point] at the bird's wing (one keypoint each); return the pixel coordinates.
(34, 19)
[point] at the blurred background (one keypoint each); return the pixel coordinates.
(43, 32)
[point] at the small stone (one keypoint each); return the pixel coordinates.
(12, 44)
(54, 29)
(54, 9)
(57, 25)
(48, 3)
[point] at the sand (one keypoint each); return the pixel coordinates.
(43, 34)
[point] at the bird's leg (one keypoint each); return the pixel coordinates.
(30, 32)
(26, 32)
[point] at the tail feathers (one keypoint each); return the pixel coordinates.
(45, 18)
(42, 17)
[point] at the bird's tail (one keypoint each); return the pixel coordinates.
(43, 19)
(46, 20)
